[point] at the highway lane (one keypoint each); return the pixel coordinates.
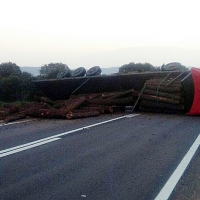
(129, 158)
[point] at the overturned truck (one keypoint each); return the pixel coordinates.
(79, 97)
(156, 92)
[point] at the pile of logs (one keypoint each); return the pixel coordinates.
(157, 95)
(162, 96)
(77, 106)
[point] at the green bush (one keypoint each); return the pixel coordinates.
(137, 67)
(10, 88)
(9, 68)
(15, 85)
(51, 70)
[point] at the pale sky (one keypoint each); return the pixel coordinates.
(108, 33)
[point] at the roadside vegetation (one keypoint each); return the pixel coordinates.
(142, 67)
(51, 70)
(14, 84)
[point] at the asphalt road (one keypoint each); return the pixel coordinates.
(111, 157)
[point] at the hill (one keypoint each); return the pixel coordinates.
(32, 70)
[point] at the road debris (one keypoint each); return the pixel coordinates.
(158, 95)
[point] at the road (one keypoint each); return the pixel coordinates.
(111, 157)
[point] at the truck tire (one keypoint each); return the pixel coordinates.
(174, 66)
(65, 73)
(96, 70)
(79, 72)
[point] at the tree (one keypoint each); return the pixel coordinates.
(10, 88)
(52, 69)
(9, 68)
(137, 67)
(15, 85)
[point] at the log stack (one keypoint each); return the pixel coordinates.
(157, 95)
(162, 96)
(77, 106)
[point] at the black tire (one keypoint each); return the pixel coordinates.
(81, 71)
(65, 73)
(96, 70)
(174, 66)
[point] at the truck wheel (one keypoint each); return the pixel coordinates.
(79, 72)
(96, 70)
(65, 73)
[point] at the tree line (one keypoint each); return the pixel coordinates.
(17, 85)
(142, 67)
(14, 84)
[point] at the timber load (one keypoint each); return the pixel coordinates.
(77, 106)
(162, 96)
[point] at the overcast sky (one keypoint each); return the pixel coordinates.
(107, 33)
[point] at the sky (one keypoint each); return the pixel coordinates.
(107, 33)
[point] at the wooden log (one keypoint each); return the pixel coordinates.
(87, 96)
(175, 96)
(15, 117)
(158, 99)
(164, 89)
(6, 111)
(3, 114)
(13, 109)
(60, 104)
(155, 105)
(117, 102)
(94, 108)
(43, 99)
(107, 109)
(46, 113)
(115, 95)
(74, 103)
(72, 115)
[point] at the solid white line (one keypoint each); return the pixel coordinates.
(28, 147)
(25, 145)
(19, 122)
(45, 140)
(173, 180)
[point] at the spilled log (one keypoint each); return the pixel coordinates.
(76, 115)
(115, 95)
(46, 113)
(114, 102)
(74, 103)
(43, 99)
(93, 108)
(15, 117)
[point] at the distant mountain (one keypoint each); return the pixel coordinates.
(110, 70)
(35, 71)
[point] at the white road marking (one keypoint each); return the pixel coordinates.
(19, 122)
(25, 145)
(173, 180)
(29, 145)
